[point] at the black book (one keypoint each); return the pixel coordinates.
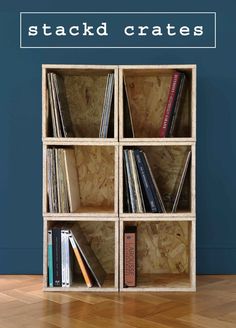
(128, 123)
(145, 177)
(126, 198)
(56, 251)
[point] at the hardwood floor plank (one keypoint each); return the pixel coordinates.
(23, 304)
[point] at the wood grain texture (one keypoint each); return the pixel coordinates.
(162, 247)
(23, 304)
(85, 95)
(148, 94)
(95, 165)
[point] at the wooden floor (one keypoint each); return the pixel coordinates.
(23, 304)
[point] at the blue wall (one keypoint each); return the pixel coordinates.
(20, 133)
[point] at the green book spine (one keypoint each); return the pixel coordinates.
(50, 263)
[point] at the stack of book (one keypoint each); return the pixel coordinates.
(103, 133)
(63, 188)
(141, 191)
(175, 99)
(173, 104)
(62, 125)
(65, 244)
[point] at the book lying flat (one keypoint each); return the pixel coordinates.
(88, 256)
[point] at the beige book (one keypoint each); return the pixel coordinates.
(72, 179)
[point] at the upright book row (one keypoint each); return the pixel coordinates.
(119, 177)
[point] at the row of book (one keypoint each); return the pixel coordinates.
(63, 186)
(141, 191)
(62, 125)
(175, 95)
(177, 90)
(66, 245)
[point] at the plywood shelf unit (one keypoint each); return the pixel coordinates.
(166, 243)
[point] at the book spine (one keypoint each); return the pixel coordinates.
(50, 261)
(146, 184)
(133, 199)
(129, 259)
(56, 247)
(126, 192)
(68, 260)
(170, 104)
(63, 265)
(177, 105)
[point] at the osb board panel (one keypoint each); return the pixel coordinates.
(148, 96)
(167, 164)
(95, 165)
(85, 96)
(162, 247)
(101, 237)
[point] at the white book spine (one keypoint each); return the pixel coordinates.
(63, 258)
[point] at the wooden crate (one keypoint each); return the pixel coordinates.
(100, 173)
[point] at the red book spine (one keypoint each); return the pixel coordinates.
(130, 259)
(170, 104)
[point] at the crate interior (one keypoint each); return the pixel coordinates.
(147, 94)
(95, 175)
(85, 91)
(101, 238)
(167, 165)
(163, 253)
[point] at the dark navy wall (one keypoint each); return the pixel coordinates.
(20, 133)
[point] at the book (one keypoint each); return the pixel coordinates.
(133, 199)
(128, 123)
(136, 183)
(126, 196)
(177, 105)
(71, 177)
(62, 106)
(173, 91)
(50, 259)
(63, 259)
(52, 181)
(55, 109)
(51, 105)
(96, 269)
(56, 248)
(145, 177)
(158, 194)
(68, 273)
(180, 187)
(107, 106)
(130, 256)
(84, 269)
